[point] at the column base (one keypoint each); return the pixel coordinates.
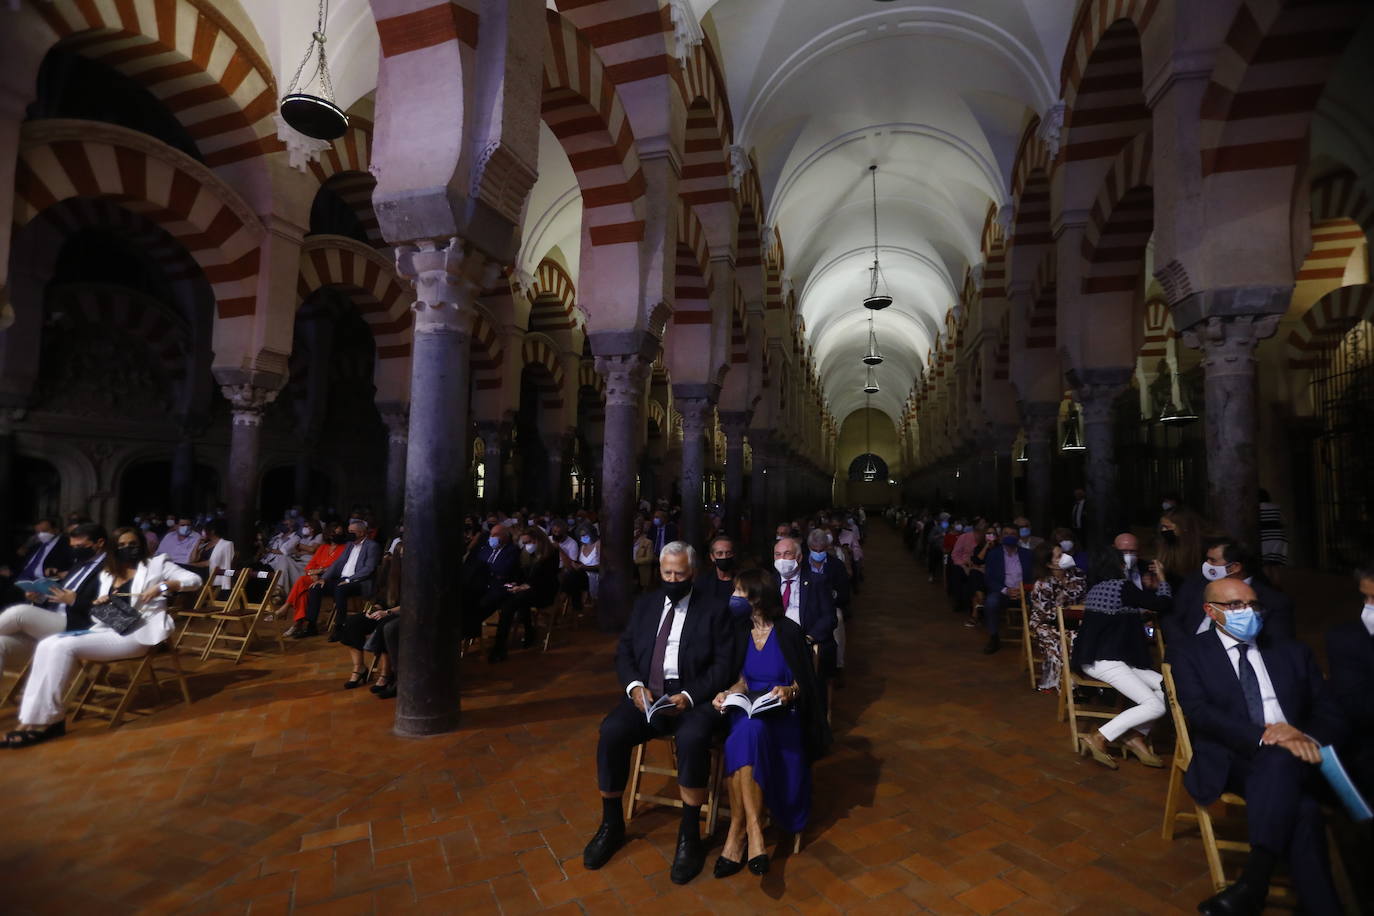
(426, 726)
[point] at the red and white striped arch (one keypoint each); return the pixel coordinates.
(749, 238)
(368, 279)
(710, 132)
(60, 160)
(588, 377)
(488, 353)
(1030, 194)
(77, 213)
(350, 153)
(1339, 195)
(631, 36)
(1159, 329)
(1041, 325)
(692, 282)
(1342, 215)
(190, 56)
(165, 334)
(1102, 79)
(554, 298)
(1121, 221)
(581, 107)
(739, 328)
(538, 351)
(1327, 321)
(1271, 69)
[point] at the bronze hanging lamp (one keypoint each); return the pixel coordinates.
(317, 116)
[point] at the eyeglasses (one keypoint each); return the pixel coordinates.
(1237, 605)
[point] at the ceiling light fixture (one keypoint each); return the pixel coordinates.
(870, 472)
(870, 381)
(1073, 438)
(317, 116)
(878, 296)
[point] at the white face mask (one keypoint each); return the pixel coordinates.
(1367, 615)
(1129, 558)
(786, 568)
(184, 530)
(1066, 561)
(529, 548)
(1213, 572)
(1066, 546)
(45, 537)
(305, 532)
(1167, 505)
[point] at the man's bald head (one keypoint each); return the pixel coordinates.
(1223, 592)
(786, 549)
(1126, 542)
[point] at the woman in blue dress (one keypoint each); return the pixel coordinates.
(768, 757)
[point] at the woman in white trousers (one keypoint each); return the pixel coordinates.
(145, 583)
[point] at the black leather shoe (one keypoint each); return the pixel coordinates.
(608, 838)
(387, 693)
(759, 864)
(1240, 899)
(307, 630)
(726, 867)
(994, 643)
(689, 860)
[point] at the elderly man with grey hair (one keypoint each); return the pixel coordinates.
(676, 653)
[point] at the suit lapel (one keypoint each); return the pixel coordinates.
(1217, 658)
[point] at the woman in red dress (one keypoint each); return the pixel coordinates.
(336, 539)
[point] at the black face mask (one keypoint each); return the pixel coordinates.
(1170, 537)
(725, 564)
(82, 554)
(129, 556)
(676, 591)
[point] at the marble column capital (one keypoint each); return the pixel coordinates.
(625, 375)
(1039, 419)
(735, 425)
(247, 402)
(1253, 302)
(1228, 343)
(396, 418)
(696, 414)
(446, 277)
(1098, 389)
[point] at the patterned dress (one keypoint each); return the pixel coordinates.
(1047, 594)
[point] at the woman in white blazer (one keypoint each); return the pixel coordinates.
(145, 583)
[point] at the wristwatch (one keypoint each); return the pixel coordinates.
(162, 587)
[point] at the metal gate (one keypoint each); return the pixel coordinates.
(1343, 396)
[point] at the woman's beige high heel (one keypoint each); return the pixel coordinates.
(1087, 748)
(1142, 753)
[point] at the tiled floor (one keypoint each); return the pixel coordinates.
(951, 788)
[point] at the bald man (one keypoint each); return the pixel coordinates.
(1258, 712)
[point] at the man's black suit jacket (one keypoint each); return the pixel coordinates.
(505, 568)
(1187, 614)
(1350, 658)
(1218, 723)
(708, 656)
(816, 606)
(836, 577)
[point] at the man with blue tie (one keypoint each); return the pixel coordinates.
(66, 608)
(1258, 712)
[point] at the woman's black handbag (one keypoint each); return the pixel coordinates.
(118, 615)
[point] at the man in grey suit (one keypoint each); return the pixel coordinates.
(351, 574)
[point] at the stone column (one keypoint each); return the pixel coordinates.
(1040, 419)
(246, 403)
(445, 279)
(1002, 468)
(760, 516)
(1097, 396)
(397, 420)
(183, 474)
(557, 485)
(493, 433)
(734, 423)
(696, 417)
(625, 374)
(304, 464)
(1231, 420)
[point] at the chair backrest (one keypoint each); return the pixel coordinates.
(261, 583)
(233, 597)
(1183, 754)
(206, 592)
(1063, 643)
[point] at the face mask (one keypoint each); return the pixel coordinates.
(184, 530)
(529, 548)
(676, 591)
(493, 542)
(1169, 535)
(1244, 624)
(786, 568)
(1066, 561)
(137, 519)
(739, 605)
(818, 556)
(586, 539)
(146, 526)
(1167, 505)
(958, 527)
(1367, 615)
(1129, 560)
(1009, 541)
(725, 564)
(1025, 532)
(45, 537)
(944, 524)
(1213, 572)
(129, 556)
(171, 522)
(306, 532)
(990, 537)
(82, 554)
(1066, 546)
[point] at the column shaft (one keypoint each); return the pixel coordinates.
(183, 475)
(696, 414)
(245, 444)
(625, 376)
(1040, 421)
(1098, 395)
(733, 424)
(397, 420)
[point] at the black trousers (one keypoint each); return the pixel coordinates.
(573, 583)
(355, 629)
(1283, 816)
(341, 592)
(624, 727)
(520, 604)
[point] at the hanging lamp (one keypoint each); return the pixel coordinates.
(870, 472)
(870, 381)
(873, 357)
(317, 116)
(1073, 440)
(1021, 453)
(1178, 412)
(878, 296)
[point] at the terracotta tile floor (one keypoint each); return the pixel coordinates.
(951, 789)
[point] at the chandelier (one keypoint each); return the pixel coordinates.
(878, 295)
(317, 116)
(870, 471)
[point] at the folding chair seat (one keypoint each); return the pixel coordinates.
(634, 793)
(246, 617)
(1069, 681)
(103, 695)
(200, 623)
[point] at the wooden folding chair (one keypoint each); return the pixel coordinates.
(1069, 681)
(1013, 616)
(119, 696)
(634, 795)
(16, 678)
(1028, 656)
(557, 613)
(247, 617)
(200, 623)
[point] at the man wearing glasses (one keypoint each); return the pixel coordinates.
(1258, 711)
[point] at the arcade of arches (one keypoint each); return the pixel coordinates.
(596, 251)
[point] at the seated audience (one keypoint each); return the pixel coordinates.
(1258, 711)
(589, 556)
(572, 578)
(1179, 546)
(1009, 571)
(806, 599)
(679, 644)
(1058, 583)
(719, 580)
(179, 541)
(142, 583)
(768, 757)
(46, 553)
(1111, 646)
(336, 539)
(1350, 658)
(66, 608)
(489, 569)
(534, 585)
(824, 564)
(354, 635)
(976, 589)
(213, 552)
(1225, 558)
(350, 574)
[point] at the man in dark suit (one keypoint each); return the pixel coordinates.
(678, 644)
(719, 580)
(826, 569)
(1007, 567)
(1258, 711)
(806, 596)
(67, 607)
(1350, 657)
(1228, 559)
(1078, 513)
(487, 571)
(351, 574)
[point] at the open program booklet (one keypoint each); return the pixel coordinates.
(752, 704)
(657, 706)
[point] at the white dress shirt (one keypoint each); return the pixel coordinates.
(1273, 712)
(670, 669)
(793, 609)
(351, 564)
